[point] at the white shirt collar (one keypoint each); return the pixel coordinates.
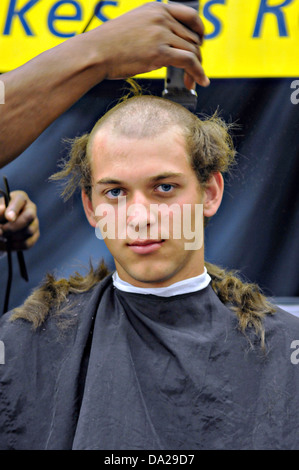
(192, 284)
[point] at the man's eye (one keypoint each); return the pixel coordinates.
(166, 188)
(114, 193)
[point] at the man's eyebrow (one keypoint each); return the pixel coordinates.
(109, 181)
(163, 176)
(154, 178)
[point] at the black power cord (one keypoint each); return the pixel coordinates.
(21, 260)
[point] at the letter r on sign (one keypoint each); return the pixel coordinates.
(275, 10)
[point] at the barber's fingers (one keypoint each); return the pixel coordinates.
(176, 42)
(23, 220)
(19, 222)
(183, 31)
(18, 200)
(2, 209)
(20, 212)
(185, 39)
(191, 64)
(26, 244)
(189, 17)
(189, 81)
(24, 233)
(22, 239)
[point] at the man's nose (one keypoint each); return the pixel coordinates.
(139, 211)
(139, 197)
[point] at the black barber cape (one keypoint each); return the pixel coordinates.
(145, 372)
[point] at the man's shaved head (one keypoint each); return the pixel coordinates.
(143, 117)
(208, 142)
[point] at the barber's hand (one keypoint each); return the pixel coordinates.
(152, 36)
(19, 222)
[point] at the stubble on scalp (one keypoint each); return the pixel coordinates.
(208, 141)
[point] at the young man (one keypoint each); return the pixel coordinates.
(168, 352)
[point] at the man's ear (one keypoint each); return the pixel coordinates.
(213, 193)
(88, 209)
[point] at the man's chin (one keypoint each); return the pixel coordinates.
(149, 280)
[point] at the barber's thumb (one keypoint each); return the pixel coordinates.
(10, 214)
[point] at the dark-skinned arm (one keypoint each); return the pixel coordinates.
(147, 38)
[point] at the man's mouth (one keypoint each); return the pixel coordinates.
(145, 246)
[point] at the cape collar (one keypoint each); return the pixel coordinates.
(192, 284)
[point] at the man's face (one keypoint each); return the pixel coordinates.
(144, 174)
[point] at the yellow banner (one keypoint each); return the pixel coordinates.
(244, 38)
